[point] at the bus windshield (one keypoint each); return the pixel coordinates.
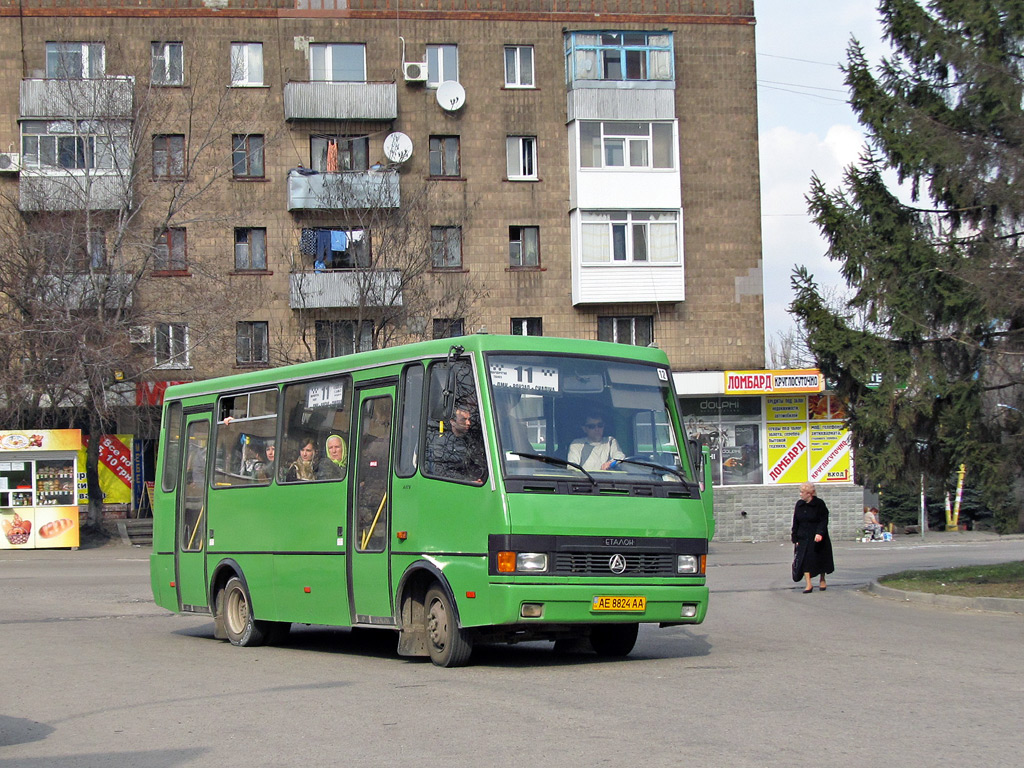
(565, 416)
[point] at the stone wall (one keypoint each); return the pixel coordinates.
(765, 513)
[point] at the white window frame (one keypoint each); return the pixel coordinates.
(246, 65)
(631, 332)
(522, 326)
(91, 60)
(442, 64)
(519, 67)
(177, 352)
(639, 149)
(627, 237)
(168, 64)
(83, 145)
(321, 62)
(250, 249)
(521, 158)
(523, 247)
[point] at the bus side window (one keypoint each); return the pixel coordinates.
(172, 447)
(315, 438)
(246, 432)
(411, 404)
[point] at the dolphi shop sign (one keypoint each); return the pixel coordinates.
(783, 382)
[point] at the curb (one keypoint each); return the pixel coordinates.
(996, 604)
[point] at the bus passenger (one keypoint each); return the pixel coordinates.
(595, 451)
(456, 450)
(264, 470)
(301, 470)
(332, 467)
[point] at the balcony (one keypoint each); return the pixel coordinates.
(365, 190)
(346, 288)
(98, 98)
(340, 101)
(84, 290)
(67, 190)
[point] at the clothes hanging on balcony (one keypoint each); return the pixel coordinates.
(332, 156)
(323, 245)
(339, 240)
(307, 243)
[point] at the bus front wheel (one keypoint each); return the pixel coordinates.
(241, 628)
(448, 644)
(613, 640)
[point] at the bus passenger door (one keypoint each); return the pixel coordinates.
(191, 524)
(370, 523)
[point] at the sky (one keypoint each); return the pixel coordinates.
(805, 127)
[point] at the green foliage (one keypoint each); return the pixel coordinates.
(936, 285)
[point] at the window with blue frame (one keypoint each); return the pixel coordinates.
(618, 56)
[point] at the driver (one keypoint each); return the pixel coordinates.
(594, 451)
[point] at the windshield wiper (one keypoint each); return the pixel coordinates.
(677, 472)
(556, 461)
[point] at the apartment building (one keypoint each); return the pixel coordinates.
(245, 183)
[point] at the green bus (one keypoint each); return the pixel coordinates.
(458, 491)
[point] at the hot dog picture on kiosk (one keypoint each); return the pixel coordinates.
(38, 495)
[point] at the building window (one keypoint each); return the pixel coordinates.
(337, 62)
(71, 145)
(169, 156)
(626, 145)
(449, 327)
(342, 337)
(335, 248)
(444, 156)
(521, 157)
(168, 64)
(250, 249)
(170, 253)
(630, 237)
(246, 64)
(75, 61)
(446, 247)
(171, 345)
(442, 64)
(626, 330)
(519, 66)
(251, 343)
(332, 154)
(523, 247)
(618, 56)
(526, 326)
(247, 156)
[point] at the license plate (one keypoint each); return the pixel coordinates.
(619, 603)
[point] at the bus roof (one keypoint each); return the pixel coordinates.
(479, 342)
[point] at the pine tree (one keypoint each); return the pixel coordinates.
(934, 267)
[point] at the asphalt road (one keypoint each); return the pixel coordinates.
(94, 674)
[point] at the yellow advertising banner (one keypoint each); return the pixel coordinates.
(786, 408)
(787, 453)
(40, 440)
(115, 469)
(830, 452)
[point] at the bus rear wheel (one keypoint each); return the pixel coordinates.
(614, 640)
(448, 644)
(241, 628)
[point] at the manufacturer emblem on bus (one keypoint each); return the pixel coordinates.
(617, 564)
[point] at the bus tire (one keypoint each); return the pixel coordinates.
(448, 644)
(613, 640)
(239, 625)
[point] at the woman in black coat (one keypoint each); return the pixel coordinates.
(813, 556)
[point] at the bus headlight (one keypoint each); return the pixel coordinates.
(531, 562)
(687, 564)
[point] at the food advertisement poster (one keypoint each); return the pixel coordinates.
(787, 453)
(115, 469)
(40, 440)
(830, 452)
(39, 527)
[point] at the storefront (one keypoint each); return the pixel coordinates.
(38, 496)
(767, 432)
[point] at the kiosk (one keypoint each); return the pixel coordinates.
(38, 494)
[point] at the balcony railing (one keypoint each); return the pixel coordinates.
(340, 101)
(346, 288)
(365, 190)
(101, 97)
(66, 190)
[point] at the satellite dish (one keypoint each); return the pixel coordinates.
(451, 95)
(397, 147)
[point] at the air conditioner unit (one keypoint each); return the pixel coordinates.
(10, 162)
(139, 334)
(414, 71)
